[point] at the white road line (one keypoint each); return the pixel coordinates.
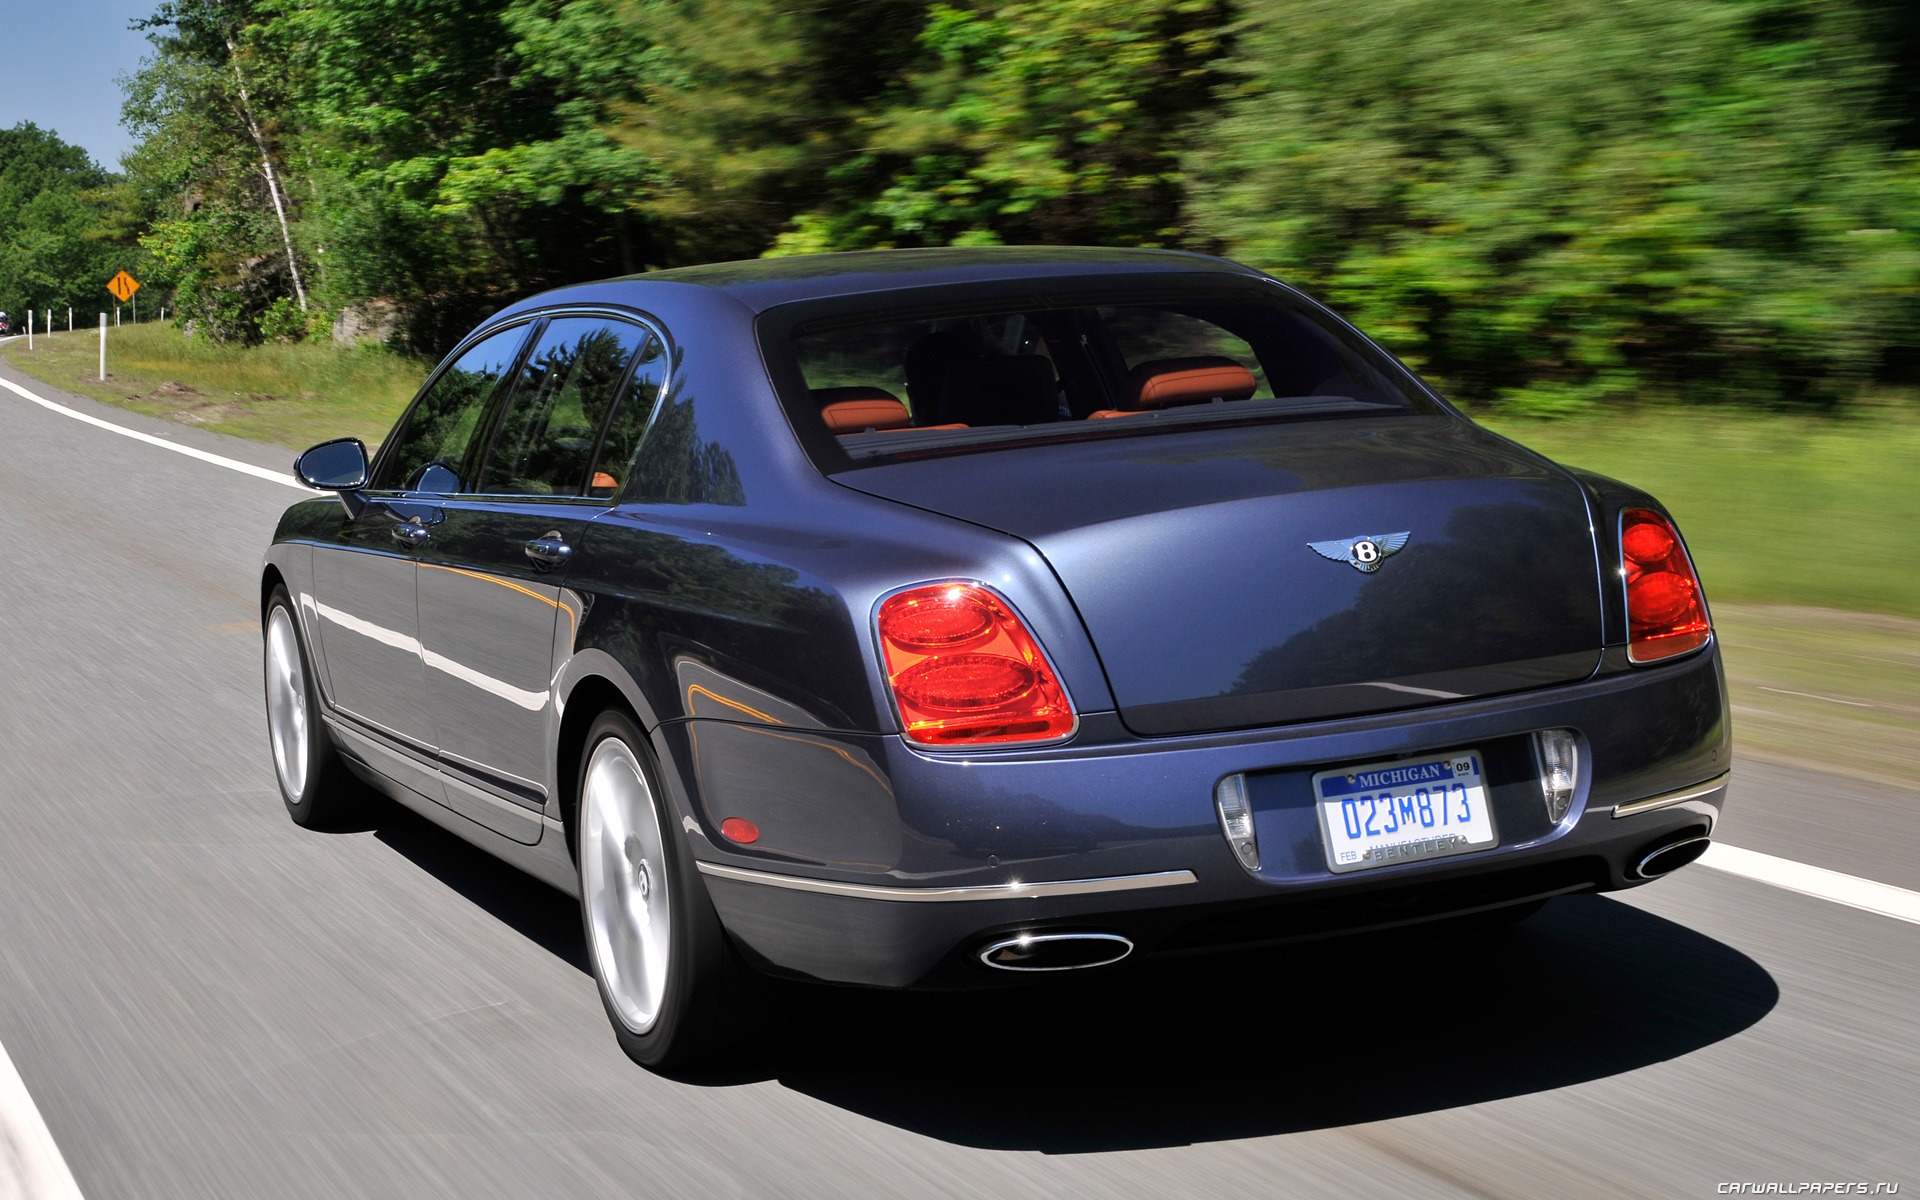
(1811, 696)
(31, 1166)
(1851, 890)
(231, 464)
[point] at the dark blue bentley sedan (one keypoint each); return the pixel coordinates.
(922, 618)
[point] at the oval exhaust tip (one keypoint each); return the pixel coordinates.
(1671, 857)
(1056, 951)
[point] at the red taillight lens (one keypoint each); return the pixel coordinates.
(965, 671)
(1665, 614)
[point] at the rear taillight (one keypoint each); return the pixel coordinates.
(964, 671)
(1665, 612)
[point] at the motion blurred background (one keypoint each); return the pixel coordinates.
(1676, 241)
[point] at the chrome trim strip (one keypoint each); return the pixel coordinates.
(989, 891)
(1635, 807)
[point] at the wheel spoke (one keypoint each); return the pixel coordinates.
(624, 885)
(286, 702)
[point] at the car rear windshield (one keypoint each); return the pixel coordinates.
(882, 380)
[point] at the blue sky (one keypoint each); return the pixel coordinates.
(57, 68)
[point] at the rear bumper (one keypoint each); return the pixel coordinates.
(1115, 834)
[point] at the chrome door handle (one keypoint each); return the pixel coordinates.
(411, 534)
(548, 552)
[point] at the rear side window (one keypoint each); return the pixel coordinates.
(430, 449)
(630, 418)
(565, 393)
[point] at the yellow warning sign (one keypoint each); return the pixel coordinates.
(123, 286)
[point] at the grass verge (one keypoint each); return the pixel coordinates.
(288, 395)
(1777, 509)
(1837, 691)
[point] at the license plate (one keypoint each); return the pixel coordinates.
(1407, 810)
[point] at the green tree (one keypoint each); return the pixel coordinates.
(749, 107)
(461, 149)
(1554, 204)
(211, 168)
(55, 249)
(1029, 121)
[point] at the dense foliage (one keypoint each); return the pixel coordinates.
(56, 228)
(1542, 203)
(1584, 200)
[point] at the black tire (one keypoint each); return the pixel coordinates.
(709, 1001)
(322, 793)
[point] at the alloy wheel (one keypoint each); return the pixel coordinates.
(287, 714)
(624, 884)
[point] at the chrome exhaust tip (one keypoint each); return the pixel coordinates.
(1666, 859)
(1055, 951)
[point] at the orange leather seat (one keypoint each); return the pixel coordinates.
(861, 409)
(1172, 382)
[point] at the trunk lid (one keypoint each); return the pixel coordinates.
(1190, 556)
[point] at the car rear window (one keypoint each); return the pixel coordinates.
(880, 381)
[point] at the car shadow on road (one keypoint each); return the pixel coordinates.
(543, 915)
(1308, 1037)
(1304, 1037)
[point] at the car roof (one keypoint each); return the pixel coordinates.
(762, 283)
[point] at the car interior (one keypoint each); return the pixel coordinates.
(1054, 365)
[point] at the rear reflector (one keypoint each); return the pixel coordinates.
(1666, 615)
(739, 829)
(964, 671)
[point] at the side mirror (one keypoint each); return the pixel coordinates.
(336, 466)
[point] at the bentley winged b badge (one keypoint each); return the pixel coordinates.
(1363, 554)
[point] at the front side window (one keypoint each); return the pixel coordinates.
(429, 451)
(560, 404)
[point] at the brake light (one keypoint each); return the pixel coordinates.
(964, 671)
(1665, 612)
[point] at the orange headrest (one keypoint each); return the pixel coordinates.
(1170, 382)
(858, 409)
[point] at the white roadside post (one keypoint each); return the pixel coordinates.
(103, 347)
(29, 329)
(69, 319)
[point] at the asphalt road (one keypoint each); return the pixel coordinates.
(204, 1001)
